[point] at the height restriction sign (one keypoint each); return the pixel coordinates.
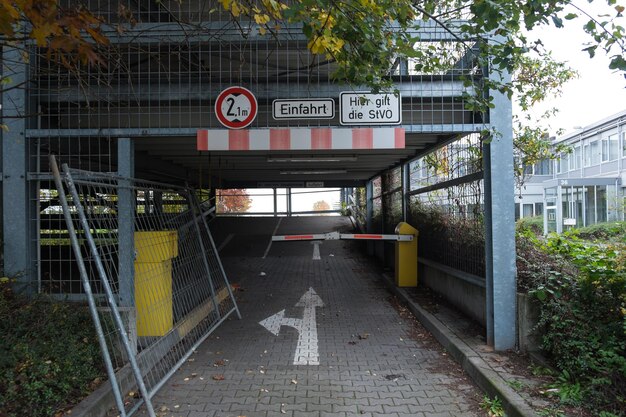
(236, 107)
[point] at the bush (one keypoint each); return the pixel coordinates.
(533, 224)
(49, 355)
(583, 317)
(603, 231)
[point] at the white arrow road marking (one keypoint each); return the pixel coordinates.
(306, 350)
(316, 250)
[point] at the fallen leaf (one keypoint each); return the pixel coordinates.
(364, 336)
(218, 377)
(352, 342)
(219, 362)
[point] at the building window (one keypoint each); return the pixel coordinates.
(595, 152)
(543, 167)
(624, 145)
(527, 210)
(564, 162)
(538, 209)
(587, 155)
(575, 159)
(610, 148)
(614, 147)
(557, 167)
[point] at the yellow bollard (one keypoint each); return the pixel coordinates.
(406, 257)
(153, 281)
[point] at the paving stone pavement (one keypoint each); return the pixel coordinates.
(372, 360)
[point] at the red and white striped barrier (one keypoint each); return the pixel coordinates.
(300, 139)
(340, 236)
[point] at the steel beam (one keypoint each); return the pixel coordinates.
(191, 132)
(426, 87)
(500, 223)
(17, 201)
(126, 223)
(221, 32)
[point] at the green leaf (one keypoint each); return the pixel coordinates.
(590, 26)
(591, 50)
(571, 16)
(618, 62)
(558, 22)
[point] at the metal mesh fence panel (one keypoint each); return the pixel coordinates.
(446, 205)
(168, 60)
(149, 244)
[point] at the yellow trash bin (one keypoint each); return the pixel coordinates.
(153, 281)
(406, 257)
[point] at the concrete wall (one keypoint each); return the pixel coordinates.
(466, 296)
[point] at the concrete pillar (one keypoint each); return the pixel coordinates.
(18, 196)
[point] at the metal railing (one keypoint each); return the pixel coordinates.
(151, 273)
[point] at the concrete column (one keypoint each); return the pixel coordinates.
(500, 223)
(18, 199)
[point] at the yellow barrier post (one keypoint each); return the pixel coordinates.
(153, 281)
(406, 257)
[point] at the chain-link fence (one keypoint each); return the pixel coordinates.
(149, 266)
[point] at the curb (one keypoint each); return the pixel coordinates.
(488, 380)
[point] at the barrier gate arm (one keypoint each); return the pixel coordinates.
(341, 236)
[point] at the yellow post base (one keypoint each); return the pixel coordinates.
(153, 281)
(406, 257)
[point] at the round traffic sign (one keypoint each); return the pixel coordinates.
(236, 107)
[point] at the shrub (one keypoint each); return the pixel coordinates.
(603, 231)
(49, 355)
(533, 224)
(583, 316)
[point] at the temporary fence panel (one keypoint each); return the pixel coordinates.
(152, 272)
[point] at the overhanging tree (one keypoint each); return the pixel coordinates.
(366, 38)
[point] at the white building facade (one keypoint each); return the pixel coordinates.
(584, 186)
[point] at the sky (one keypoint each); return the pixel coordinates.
(598, 92)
